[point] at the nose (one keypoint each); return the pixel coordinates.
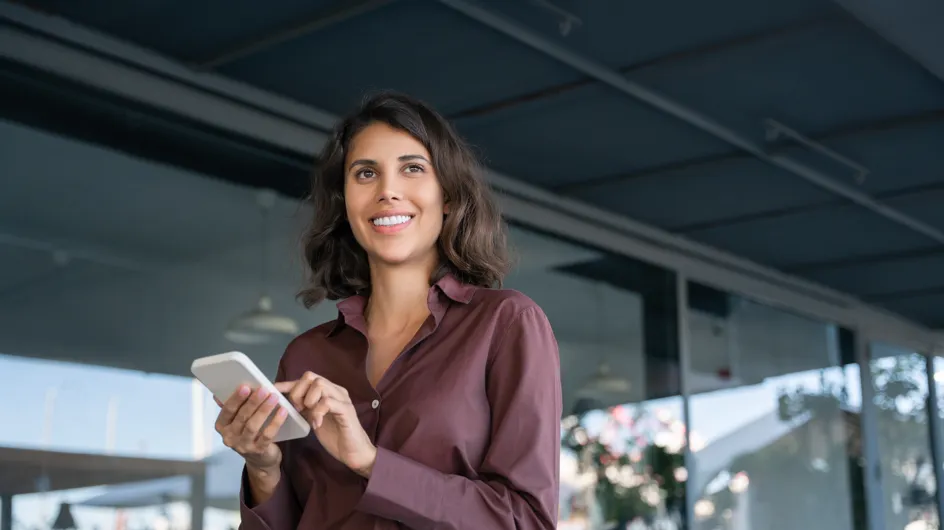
(389, 191)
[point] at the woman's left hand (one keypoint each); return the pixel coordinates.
(328, 408)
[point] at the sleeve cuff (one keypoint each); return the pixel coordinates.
(279, 512)
(403, 490)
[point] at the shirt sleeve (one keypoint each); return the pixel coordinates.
(281, 511)
(520, 476)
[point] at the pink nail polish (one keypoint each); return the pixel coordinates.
(244, 391)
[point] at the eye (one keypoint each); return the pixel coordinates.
(414, 168)
(365, 173)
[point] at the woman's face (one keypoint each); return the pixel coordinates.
(393, 198)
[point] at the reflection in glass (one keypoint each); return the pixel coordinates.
(900, 382)
(775, 430)
(623, 435)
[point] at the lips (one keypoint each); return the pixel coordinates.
(391, 220)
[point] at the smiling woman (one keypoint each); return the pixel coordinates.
(435, 396)
(397, 157)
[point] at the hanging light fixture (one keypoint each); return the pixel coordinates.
(64, 520)
(260, 324)
(605, 384)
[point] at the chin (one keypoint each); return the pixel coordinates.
(393, 256)
(399, 255)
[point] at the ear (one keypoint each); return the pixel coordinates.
(447, 208)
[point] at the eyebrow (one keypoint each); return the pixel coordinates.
(369, 162)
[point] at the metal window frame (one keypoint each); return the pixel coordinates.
(66, 49)
(871, 452)
(935, 424)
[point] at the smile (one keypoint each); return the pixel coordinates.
(392, 220)
(391, 223)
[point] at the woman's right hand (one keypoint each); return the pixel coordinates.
(240, 423)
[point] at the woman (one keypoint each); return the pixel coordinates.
(435, 399)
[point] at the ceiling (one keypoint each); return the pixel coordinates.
(863, 81)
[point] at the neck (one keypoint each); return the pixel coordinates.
(398, 298)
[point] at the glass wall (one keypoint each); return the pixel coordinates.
(899, 380)
(775, 429)
(623, 436)
(115, 272)
(150, 278)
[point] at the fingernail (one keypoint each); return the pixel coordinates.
(263, 393)
(283, 413)
(273, 398)
(244, 391)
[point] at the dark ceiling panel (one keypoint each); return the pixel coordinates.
(813, 80)
(620, 33)
(924, 308)
(885, 277)
(588, 132)
(813, 236)
(898, 157)
(422, 48)
(701, 194)
(183, 29)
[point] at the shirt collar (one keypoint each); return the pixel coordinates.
(351, 310)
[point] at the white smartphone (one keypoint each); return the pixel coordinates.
(222, 374)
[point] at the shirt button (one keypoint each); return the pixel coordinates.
(375, 403)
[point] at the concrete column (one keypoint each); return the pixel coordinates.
(197, 500)
(6, 511)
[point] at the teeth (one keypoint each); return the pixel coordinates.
(391, 220)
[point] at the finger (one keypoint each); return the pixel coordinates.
(218, 402)
(285, 387)
(325, 388)
(249, 408)
(297, 395)
(268, 434)
(318, 389)
(257, 420)
(327, 405)
(232, 406)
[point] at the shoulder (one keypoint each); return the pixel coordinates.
(513, 311)
(521, 333)
(505, 302)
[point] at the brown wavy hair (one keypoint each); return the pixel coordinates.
(472, 244)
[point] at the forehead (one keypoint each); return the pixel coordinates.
(379, 141)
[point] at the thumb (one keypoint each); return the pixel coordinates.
(285, 386)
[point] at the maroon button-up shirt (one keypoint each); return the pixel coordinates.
(466, 422)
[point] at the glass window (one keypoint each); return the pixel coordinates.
(775, 430)
(623, 436)
(900, 382)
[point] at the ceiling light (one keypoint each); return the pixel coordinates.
(259, 324)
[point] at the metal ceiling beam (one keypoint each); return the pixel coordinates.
(846, 131)
(335, 15)
(687, 115)
(655, 62)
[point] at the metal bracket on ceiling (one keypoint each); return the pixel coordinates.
(567, 19)
(647, 96)
(776, 130)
